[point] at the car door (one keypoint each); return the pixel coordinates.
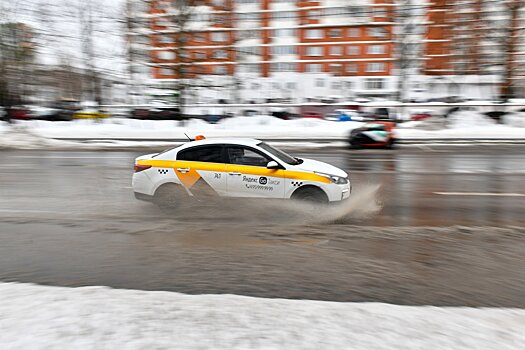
(248, 176)
(202, 170)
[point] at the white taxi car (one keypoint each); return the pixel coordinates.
(235, 168)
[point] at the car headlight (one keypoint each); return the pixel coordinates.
(339, 180)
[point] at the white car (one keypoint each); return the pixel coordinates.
(235, 168)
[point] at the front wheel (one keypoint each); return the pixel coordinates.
(310, 195)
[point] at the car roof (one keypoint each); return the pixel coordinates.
(214, 141)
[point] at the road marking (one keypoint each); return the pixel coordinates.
(26, 211)
(493, 194)
(373, 160)
(69, 157)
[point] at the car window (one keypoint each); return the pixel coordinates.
(245, 156)
(209, 154)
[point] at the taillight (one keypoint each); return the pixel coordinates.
(139, 167)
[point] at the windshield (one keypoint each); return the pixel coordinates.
(285, 157)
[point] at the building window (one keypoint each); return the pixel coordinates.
(314, 51)
(219, 36)
(375, 67)
(220, 54)
(166, 55)
(166, 71)
(336, 68)
(247, 34)
(376, 49)
(199, 37)
(314, 34)
(284, 15)
(319, 82)
(335, 33)
(164, 39)
(221, 18)
(283, 67)
(283, 33)
(248, 50)
(354, 32)
(339, 12)
(375, 84)
(219, 70)
(284, 50)
(353, 50)
(315, 14)
(248, 68)
(377, 32)
(200, 55)
(336, 50)
(351, 68)
(255, 86)
(241, 2)
(314, 68)
(248, 16)
(379, 12)
(291, 85)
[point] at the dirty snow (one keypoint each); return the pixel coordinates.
(41, 317)
(122, 132)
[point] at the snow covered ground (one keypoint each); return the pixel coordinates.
(41, 317)
(121, 132)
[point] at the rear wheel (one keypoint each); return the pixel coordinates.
(310, 194)
(169, 197)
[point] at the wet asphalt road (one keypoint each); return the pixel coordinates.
(69, 218)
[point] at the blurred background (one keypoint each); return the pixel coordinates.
(162, 59)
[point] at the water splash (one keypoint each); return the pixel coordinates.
(363, 203)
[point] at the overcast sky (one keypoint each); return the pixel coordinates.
(58, 26)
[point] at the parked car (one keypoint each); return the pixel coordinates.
(373, 134)
(55, 113)
(89, 110)
(158, 110)
(314, 115)
(17, 113)
(420, 115)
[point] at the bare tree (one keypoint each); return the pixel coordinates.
(513, 8)
(16, 53)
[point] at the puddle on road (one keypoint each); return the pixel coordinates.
(363, 203)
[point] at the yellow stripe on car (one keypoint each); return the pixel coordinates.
(244, 169)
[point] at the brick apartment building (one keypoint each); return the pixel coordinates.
(466, 48)
(253, 51)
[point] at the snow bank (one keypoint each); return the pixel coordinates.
(38, 317)
(469, 119)
(516, 119)
(256, 127)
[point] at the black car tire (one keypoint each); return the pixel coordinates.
(310, 194)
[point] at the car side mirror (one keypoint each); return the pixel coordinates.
(272, 165)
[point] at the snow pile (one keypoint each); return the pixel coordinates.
(469, 119)
(516, 119)
(464, 125)
(256, 127)
(22, 138)
(38, 317)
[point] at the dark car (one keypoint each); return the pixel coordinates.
(157, 113)
(374, 134)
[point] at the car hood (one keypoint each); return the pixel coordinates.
(311, 165)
